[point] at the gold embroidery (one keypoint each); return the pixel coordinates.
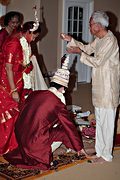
(10, 57)
(8, 115)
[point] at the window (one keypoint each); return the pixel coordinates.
(75, 22)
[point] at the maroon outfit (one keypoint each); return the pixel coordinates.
(35, 132)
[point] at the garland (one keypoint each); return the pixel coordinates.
(26, 51)
(28, 78)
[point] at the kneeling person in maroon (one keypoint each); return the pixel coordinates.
(43, 121)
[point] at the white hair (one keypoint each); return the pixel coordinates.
(101, 17)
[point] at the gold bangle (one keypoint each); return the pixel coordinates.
(14, 90)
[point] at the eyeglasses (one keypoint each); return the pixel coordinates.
(92, 24)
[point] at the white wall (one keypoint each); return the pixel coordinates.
(2, 11)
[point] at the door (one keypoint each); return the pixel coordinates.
(76, 23)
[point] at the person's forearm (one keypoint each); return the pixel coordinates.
(10, 76)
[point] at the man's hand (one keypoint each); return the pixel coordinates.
(74, 50)
(65, 37)
(83, 152)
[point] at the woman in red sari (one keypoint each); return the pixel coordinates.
(11, 22)
(14, 78)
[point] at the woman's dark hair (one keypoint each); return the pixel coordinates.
(57, 86)
(11, 15)
(29, 25)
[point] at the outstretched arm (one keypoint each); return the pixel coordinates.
(70, 49)
(10, 76)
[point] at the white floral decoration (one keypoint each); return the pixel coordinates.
(26, 60)
(36, 24)
(26, 51)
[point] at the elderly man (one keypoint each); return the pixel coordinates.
(105, 79)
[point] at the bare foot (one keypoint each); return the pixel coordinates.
(94, 157)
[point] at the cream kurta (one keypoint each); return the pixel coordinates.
(105, 69)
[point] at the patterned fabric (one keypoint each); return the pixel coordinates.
(12, 52)
(9, 109)
(11, 172)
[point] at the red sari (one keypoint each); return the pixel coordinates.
(3, 36)
(9, 109)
